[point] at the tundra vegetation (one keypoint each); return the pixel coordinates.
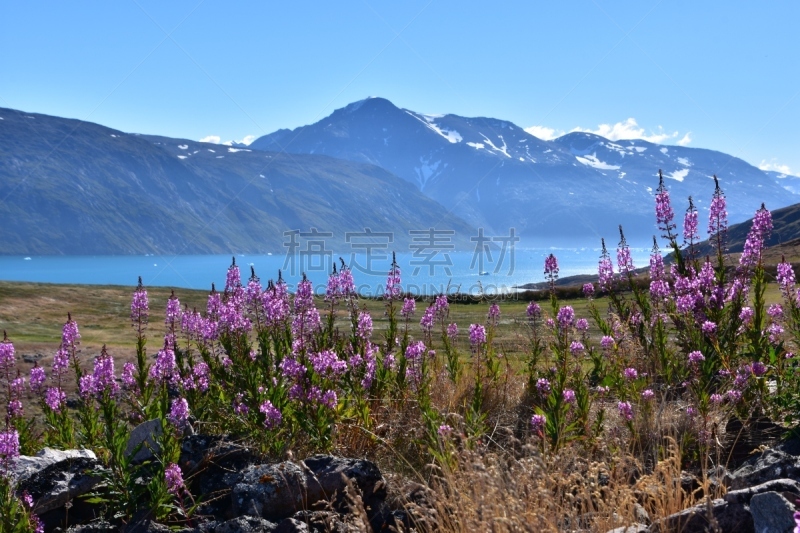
(553, 414)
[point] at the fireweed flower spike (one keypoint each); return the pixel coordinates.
(718, 219)
(664, 213)
(624, 260)
(759, 232)
(140, 306)
(605, 269)
(690, 233)
(393, 289)
(551, 271)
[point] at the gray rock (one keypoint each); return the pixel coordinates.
(767, 466)
(777, 485)
(54, 477)
(772, 513)
(635, 528)
(291, 525)
(246, 524)
(640, 514)
(278, 491)
(331, 522)
(95, 527)
(144, 434)
(25, 466)
(730, 517)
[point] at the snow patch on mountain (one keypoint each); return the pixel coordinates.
(678, 175)
(684, 161)
(503, 150)
(426, 171)
(477, 146)
(451, 135)
(592, 161)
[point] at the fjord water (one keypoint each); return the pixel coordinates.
(199, 271)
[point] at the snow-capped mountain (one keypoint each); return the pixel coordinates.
(496, 175)
(789, 182)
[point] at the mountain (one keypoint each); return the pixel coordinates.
(785, 230)
(72, 187)
(788, 181)
(496, 175)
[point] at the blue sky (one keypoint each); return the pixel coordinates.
(724, 73)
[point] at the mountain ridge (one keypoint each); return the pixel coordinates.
(75, 187)
(497, 175)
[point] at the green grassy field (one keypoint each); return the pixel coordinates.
(32, 315)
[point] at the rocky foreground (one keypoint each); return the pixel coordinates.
(240, 492)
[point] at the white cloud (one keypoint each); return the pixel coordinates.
(544, 133)
(629, 129)
(625, 130)
(774, 166)
(686, 139)
(216, 139)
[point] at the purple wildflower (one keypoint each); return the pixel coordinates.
(624, 260)
(393, 284)
(775, 311)
(477, 335)
(37, 378)
(696, 357)
(426, 322)
(9, 446)
(630, 373)
(543, 386)
(409, 306)
(55, 398)
(364, 327)
(551, 270)
(533, 310)
(746, 315)
(179, 413)
(7, 358)
(494, 312)
(625, 411)
(605, 269)
(759, 232)
(588, 290)
(576, 348)
(452, 331)
(129, 376)
(717, 399)
(648, 395)
(664, 213)
(538, 423)
(690, 232)
(607, 342)
(565, 317)
(140, 307)
(709, 328)
(444, 431)
(718, 218)
(272, 416)
(174, 478)
(582, 324)
(569, 396)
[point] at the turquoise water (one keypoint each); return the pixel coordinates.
(199, 271)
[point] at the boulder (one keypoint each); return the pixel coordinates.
(246, 524)
(772, 513)
(145, 434)
(767, 466)
(776, 485)
(730, 517)
(54, 477)
(277, 491)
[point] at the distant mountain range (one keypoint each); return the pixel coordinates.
(72, 187)
(495, 175)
